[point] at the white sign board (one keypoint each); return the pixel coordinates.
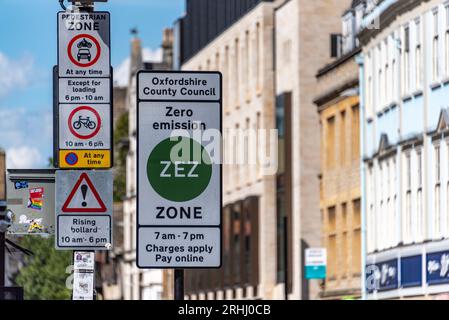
(83, 139)
(83, 44)
(179, 169)
(85, 127)
(316, 257)
(84, 210)
(83, 286)
(84, 261)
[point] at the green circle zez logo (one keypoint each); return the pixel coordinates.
(179, 169)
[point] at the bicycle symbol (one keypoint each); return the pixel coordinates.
(86, 122)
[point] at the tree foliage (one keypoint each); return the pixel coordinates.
(121, 151)
(44, 274)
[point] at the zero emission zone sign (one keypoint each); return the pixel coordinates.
(84, 93)
(179, 197)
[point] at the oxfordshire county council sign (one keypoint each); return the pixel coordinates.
(179, 196)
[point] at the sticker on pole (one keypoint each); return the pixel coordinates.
(84, 210)
(83, 44)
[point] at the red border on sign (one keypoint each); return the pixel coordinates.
(82, 177)
(91, 63)
(67, 155)
(93, 134)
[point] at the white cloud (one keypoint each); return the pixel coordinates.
(14, 73)
(24, 157)
(121, 73)
(27, 137)
(149, 55)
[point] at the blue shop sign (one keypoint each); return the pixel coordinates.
(437, 268)
(411, 271)
(382, 276)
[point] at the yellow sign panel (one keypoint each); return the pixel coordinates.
(85, 159)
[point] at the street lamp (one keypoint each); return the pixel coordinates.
(80, 3)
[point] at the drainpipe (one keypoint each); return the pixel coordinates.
(360, 61)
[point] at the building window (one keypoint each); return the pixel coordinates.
(237, 76)
(236, 243)
(330, 141)
(345, 240)
(332, 243)
(247, 62)
(406, 59)
(256, 55)
(283, 215)
(355, 137)
(435, 47)
(437, 219)
(418, 56)
(356, 239)
(408, 200)
(446, 41)
(343, 138)
(419, 200)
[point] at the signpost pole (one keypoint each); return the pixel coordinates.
(179, 284)
(2, 265)
(286, 280)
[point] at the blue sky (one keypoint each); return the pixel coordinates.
(28, 53)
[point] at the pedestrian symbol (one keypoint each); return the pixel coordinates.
(84, 197)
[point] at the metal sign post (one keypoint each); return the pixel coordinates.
(83, 138)
(179, 171)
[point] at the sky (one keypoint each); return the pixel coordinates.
(28, 53)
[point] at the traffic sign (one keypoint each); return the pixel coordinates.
(83, 44)
(84, 127)
(78, 159)
(179, 196)
(83, 92)
(315, 263)
(84, 210)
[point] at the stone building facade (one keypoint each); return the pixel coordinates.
(340, 197)
(269, 57)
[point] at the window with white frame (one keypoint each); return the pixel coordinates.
(371, 234)
(435, 46)
(437, 194)
(348, 33)
(419, 197)
(406, 237)
(406, 61)
(418, 54)
(446, 40)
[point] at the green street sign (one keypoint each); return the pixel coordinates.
(183, 178)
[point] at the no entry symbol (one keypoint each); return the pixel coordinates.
(84, 122)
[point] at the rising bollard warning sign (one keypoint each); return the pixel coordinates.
(84, 210)
(179, 196)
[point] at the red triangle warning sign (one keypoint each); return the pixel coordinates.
(84, 197)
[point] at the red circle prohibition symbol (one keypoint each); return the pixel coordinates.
(76, 134)
(94, 60)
